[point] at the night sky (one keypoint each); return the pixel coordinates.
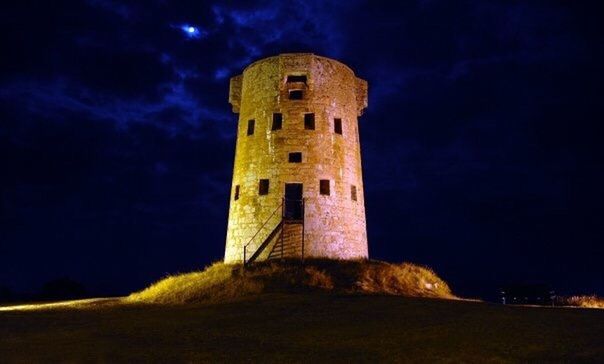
(482, 150)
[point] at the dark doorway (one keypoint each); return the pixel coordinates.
(294, 207)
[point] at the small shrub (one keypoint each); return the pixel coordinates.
(584, 301)
(402, 279)
(318, 278)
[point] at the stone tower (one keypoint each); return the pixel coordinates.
(297, 183)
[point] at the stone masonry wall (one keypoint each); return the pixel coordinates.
(334, 224)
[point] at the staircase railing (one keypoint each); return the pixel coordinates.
(247, 247)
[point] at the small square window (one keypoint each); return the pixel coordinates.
(337, 126)
(263, 187)
(296, 78)
(250, 127)
(296, 94)
(324, 187)
(353, 192)
(236, 192)
(295, 157)
(277, 121)
(309, 121)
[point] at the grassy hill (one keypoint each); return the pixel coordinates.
(304, 327)
(325, 310)
(222, 282)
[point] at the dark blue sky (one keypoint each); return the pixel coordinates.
(481, 145)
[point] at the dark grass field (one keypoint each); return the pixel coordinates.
(305, 328)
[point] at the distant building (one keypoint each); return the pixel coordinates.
(297, 182)
(527, 294)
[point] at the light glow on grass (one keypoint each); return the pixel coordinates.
(52, 305)
(592, 301)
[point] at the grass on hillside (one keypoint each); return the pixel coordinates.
(227, 314)
(584, 301)
(221, 282)
(304, 328)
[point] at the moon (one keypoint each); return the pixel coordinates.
(191, 31)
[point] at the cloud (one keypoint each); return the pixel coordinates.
(311, 25)
(175, 112)
(122, 10)
(128, 66)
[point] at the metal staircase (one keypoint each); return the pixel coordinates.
(288, 245)
(287, 234)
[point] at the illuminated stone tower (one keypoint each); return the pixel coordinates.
(297, 183)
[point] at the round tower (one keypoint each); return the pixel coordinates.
(297, 186)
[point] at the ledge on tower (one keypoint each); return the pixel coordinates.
(235, 93)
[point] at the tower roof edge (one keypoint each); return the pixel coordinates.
(294, 54)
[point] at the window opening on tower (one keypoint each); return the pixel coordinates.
(295, 157)
(324, 187)
(337, 126)
(296, 94)
(250, 127)
(277, 121)
(309, 121)
(263, 187)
